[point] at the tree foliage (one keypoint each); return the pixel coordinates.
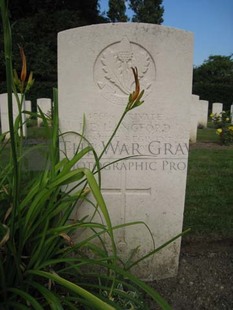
(26, 8)
(117, 11)
(213, 80)
(35, 24)
(147, 11)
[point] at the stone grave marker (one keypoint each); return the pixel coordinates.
(45, 105)
(4, 113)
(95, 78)
(28, 106)
(194, 110)
(203, 112)
(217, 108)
(231, 113)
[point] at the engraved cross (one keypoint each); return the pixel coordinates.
(123, 191)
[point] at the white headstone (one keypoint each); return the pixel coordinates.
(95, 78)
(45, 105)
(4, 113)
(203, 112)
(231, 113)
(28, 105)
(194, 112)
(217, 108)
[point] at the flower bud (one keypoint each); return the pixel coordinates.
(24, 65)
(136, 95)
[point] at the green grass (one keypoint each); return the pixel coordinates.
(207, 135)
(36, 132)
(209, 194)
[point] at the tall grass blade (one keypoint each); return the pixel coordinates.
(52, 299)
(95, 301)
(27, 297)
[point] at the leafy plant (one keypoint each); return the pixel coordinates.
(41, 267)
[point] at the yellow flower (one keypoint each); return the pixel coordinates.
(219, 131)
(230, 128)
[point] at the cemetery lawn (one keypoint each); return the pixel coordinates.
(209, 195)
(207, 135)
(205, 275)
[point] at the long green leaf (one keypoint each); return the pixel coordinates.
(76, 158)
(27, 297)
(157, 249)
(67, 178)
(95, 301)
(39, 246)
(9, 81)
(135, 281)
(14, 305)
(51, 297)
(4, 234)
(55, 131)
(100, 200)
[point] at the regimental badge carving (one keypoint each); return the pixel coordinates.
(113, 74)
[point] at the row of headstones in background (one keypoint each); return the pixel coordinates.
(194, 116)
(45, 105)
(198, 112)
(198, 116)
(4, 113)
(218, 108)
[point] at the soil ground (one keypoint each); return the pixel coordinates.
(205, 278)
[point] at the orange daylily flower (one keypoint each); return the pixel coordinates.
(24, 65)
(136, 95)
(137, 85)
(20, 83)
